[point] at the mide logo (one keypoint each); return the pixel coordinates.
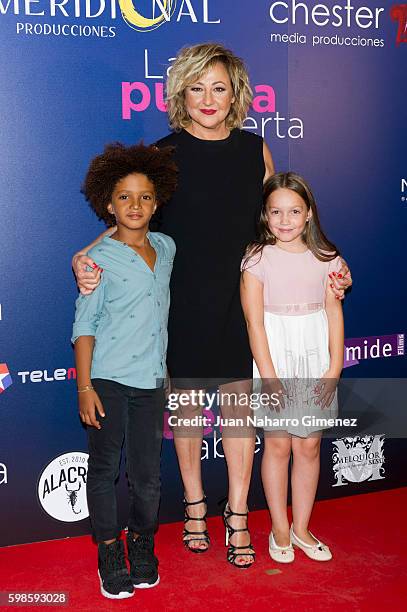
(62, 487)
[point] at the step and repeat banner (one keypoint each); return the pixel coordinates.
(329, 99)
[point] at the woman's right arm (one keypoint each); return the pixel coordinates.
(88, 280)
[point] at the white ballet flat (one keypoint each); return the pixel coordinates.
(281, 554)
(318, 551)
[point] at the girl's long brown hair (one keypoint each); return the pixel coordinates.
(313, 236)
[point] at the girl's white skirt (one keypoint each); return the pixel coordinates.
(299, 348)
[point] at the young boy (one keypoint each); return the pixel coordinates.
(120, 337)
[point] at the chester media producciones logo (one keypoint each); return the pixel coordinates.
(358, 459)
(5, 378)
(62, 487)
(398, 12)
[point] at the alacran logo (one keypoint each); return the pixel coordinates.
(3, 474)
(62, 487)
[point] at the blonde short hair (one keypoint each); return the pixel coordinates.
(191, 63)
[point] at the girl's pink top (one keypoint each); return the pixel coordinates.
(294, 283)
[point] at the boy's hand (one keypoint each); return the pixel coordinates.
(89, 403)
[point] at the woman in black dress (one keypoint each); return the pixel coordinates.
(212, 218)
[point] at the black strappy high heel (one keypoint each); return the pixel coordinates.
(204, 535)
(234, 551)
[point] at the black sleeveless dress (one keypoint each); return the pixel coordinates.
(212, 217)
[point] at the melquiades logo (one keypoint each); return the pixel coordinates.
(398, 13)
(62, 487)
(140, 15)
(403, 190)
(344, 24)
(5, 378)
(358, 459)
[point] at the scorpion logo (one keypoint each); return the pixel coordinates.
(73, 497)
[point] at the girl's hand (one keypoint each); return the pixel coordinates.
(89, 403)
(340, 281)
(87, 280)
(325, 389)
(274, 386)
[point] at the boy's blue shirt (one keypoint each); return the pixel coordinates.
(128, 313)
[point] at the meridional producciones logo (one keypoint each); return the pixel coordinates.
(398, 12)
(358, 459)
(62, 487)
(5, 378)
(137, 21)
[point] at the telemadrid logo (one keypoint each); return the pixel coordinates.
(5, 378)
(62, 487)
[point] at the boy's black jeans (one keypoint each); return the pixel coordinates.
(136, 417)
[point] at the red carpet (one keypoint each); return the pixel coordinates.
(366, 533)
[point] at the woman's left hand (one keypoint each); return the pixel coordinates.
(325, 389)
(340, 281)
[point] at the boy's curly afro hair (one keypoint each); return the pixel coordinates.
(118, 161)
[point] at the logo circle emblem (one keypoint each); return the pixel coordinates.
(137, 21)
(62, 487)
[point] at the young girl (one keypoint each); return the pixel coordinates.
(295, 326)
